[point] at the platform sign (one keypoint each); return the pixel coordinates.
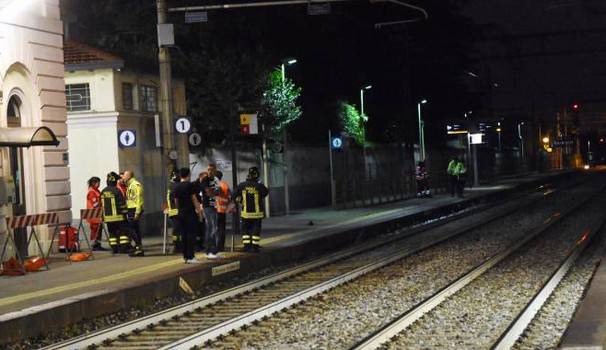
(183, 125)
(336, 143)
(196, 17)
(249, 124)
(127, 138)
(562, 143)
(453, 129)
(475, 139)
(195, 139)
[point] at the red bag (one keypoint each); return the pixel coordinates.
(34, 264)
(12, 267)
(68, 240)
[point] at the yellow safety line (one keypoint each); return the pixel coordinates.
(96, 281)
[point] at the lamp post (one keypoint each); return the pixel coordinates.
(367, 87)
(286, 62)
(421, 130)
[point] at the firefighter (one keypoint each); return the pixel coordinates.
(114, 209)
(250, 195)
(223, 203)
(93, 198)
(173, 213)
(422, 180)
(134, 204)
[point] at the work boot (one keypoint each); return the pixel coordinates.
(136, 252)
(98, 247)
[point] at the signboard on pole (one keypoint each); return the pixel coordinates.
(475, 139)
(183, 125)
(249, 124)
(336, 143)
(195, 139)
(196, 17)
(127, 138)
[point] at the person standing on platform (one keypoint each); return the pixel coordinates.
(201, 233)
(250, 195)
(134, 204)
(461, 173)
(209, 191)
(453, 181)
(172, 212)
(422, 180)
(113, 207)
(223, 203)
(121, 184)
(188, 217)
(93, 198)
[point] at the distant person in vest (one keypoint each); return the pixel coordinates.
(250, 195)
(223, 200)
(93, 198)
(113, 207)
(134, 204)
(173, 212)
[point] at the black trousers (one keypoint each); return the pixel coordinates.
(115, 230)
(461, 185)
(422, 185)
(135, 229)
(454, 184)
(189, 226)
(251, 232)
(222, 222)
(177, 236)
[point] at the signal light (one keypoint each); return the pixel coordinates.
(575, 107)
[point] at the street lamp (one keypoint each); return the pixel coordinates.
(285, 62)
(367, 87)
(421, 130)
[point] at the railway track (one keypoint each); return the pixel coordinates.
(446, 308)
(202, 320)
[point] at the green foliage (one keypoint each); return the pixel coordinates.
(280, 106)
(352, 122)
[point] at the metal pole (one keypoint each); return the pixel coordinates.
(421, 142)
(164, 234)
(333, 194)
(285, 156)
(166, 101)
(476, 175)
(234, 177)
(361, 102)
(266, 171)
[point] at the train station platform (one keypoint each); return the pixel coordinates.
(587, 330)
(69, 292)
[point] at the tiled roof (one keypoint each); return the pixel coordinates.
(81, 56)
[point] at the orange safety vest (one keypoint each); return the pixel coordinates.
(222, 200)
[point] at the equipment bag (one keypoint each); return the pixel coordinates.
(34, 264)
(68, 240)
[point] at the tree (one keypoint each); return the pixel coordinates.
(280, 102)
(352, 122)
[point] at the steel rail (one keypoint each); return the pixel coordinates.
(122, 330)
(224, 328)
(393, 328)
(508, 339)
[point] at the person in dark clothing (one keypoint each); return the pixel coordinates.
(113, 206)
(250, 195)
(189, 210)
(173, 212)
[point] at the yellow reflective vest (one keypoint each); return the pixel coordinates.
(134, 196)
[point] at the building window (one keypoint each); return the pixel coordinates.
(149, 98)
(127, 96)
(77, 97)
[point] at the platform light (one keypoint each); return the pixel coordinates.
(586, 167)
(545, 139)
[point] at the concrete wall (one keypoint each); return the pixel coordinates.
(31, 67)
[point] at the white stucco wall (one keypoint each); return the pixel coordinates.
(31, 67)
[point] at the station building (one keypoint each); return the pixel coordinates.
(32, 99)
(107, 95)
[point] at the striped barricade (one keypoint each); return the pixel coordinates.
(88, 215)
(29, 221)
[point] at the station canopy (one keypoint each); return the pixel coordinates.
(27, 137)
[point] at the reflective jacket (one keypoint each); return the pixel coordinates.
(171, 205)
(250, 194)
(460, 169)
(134, 196)
(112, 202)
(452, 167)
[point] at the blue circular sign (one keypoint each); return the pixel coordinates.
(336, 143)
